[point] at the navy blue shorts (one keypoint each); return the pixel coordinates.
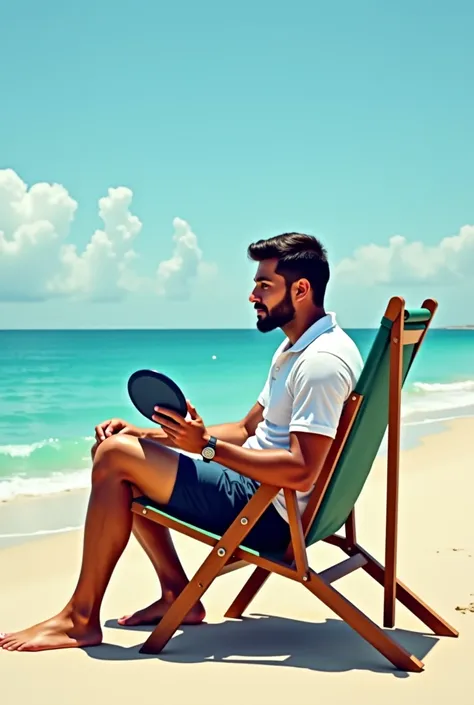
(211, 496)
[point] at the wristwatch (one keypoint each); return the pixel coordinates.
(209, 450)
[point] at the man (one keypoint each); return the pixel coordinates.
(283, 440)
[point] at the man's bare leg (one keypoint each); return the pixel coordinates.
(157, 543)
(120, 462)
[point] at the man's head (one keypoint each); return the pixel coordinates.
(291, 278)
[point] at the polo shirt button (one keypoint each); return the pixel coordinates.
(277, 369)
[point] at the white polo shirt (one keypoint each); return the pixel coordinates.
(307, 386)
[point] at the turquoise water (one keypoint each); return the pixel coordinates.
(55, 386)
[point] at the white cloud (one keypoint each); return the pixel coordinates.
(103, 271)
(403, 262)
(32, 226)
(37, 262)
(176, 274)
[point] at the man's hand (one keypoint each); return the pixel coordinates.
(188, 434)
(114, 426)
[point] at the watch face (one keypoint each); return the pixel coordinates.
(208, 453)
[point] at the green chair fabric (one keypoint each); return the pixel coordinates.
(368, 430)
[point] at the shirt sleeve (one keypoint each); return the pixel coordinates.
(320, 387)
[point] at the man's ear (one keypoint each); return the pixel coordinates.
(302, 289)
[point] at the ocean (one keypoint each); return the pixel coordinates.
(55, 386)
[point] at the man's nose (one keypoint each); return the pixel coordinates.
(252, 298)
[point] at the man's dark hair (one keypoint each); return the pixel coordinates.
(299, 256)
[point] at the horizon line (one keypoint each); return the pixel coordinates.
(239, 328)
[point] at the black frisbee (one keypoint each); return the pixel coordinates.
(148, 388)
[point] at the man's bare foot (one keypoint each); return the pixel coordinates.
(153, 613)
(61, 632)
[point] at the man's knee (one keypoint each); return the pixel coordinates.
(110, 456)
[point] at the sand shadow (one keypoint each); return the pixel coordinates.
(330, 646)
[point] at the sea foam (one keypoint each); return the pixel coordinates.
(16, 486)
(426, 399)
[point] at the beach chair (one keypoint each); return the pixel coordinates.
(374, 405)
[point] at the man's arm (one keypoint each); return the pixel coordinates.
(295, 469)
(235, 433)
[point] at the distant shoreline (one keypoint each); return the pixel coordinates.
(465, 327)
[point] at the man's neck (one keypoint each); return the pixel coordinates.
(295, 329)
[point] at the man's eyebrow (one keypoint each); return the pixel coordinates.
(262, 279)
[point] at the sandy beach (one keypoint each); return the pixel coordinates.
(289, 642)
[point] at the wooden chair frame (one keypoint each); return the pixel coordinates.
(228, 555)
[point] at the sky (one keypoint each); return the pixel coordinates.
(144, 145)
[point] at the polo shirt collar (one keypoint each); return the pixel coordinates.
(322, 325)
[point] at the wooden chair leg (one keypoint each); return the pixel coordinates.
(364, 626)
(248, 592)
(192, 593)
(409, 600)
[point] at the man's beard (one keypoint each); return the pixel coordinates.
(279, 316)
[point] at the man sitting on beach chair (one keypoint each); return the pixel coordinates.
(283, 440)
